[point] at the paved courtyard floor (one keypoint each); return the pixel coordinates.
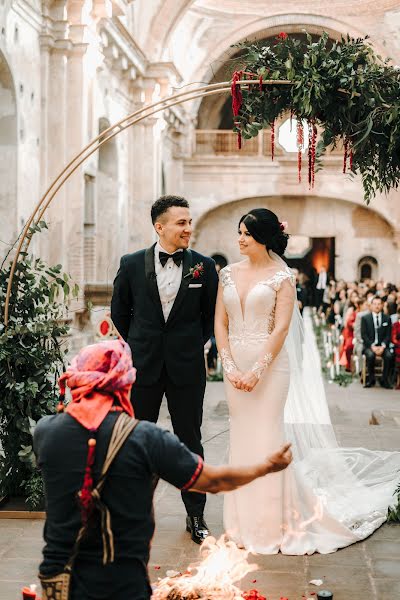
(369, 570)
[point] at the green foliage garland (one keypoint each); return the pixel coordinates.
(31, 359)
(394, 511)
(343, 87)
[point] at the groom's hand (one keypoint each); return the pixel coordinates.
(280, 460)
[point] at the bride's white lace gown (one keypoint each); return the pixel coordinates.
(327, 499)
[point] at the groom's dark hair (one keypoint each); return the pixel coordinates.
(161, 205)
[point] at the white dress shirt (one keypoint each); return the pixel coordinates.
(168, 278)
(321, 285)
(377, 323)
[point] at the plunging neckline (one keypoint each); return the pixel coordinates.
(251, 288)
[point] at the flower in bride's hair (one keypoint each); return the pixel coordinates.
(283, 225)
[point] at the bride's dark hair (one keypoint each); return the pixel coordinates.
(265, 228)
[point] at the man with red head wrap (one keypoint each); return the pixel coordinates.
(71, 448)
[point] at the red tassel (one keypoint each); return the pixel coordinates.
(273, 139)
(261, 83)
(85, 494)
(346, 147)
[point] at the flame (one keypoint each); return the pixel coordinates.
(222, 566)
(301, 529)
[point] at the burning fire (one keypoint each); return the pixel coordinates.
(213, 579)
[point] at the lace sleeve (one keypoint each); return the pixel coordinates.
(225, 276)
(281, 276)
(221, 323)
(285, 299)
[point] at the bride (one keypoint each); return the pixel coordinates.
(329, 497)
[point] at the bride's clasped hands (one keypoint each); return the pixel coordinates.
(243, 381)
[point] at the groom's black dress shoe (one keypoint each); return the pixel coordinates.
(198, 528)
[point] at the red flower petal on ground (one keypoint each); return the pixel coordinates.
(157, 568)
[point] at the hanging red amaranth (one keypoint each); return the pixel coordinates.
(260, 85)
(313, 151)
(309, 155)
(346, 149)
(300, 143)
(273, 139)
(237, 99)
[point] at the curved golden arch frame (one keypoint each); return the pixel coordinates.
(96, 143)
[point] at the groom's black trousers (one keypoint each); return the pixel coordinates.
(185, 405)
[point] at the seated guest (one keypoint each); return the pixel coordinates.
(112, 556)
(363, 309)
(396, 344)
(376, 334)
(346, 350)
(391, 310)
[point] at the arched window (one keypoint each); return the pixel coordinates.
(367, 268)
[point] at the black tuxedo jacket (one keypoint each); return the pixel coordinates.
(368, 330)
(177, 343)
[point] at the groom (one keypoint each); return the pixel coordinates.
(163, 305)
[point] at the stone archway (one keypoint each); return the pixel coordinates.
(8, 157)
(357, 230)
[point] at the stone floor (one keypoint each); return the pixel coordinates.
(369, 570)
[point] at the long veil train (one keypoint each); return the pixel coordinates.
(355, 485)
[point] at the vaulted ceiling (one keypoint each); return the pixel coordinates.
(197, 34)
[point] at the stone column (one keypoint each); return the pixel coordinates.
(145, 168)
(54, 50)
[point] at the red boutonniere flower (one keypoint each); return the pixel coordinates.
(282, 36)
(196, 272)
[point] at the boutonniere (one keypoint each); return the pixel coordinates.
(196, 272)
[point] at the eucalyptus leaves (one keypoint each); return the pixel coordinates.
(31, 359)
(351, 94)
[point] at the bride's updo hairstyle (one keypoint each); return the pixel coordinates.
(266, 229)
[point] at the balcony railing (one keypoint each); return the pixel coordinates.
(220, 142)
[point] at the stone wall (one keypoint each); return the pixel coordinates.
(358, 232)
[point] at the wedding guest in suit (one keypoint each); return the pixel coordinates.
(376, 335)
(321, 285)
(301, 291)
(163, 305)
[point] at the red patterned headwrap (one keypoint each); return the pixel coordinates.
(99, 376)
